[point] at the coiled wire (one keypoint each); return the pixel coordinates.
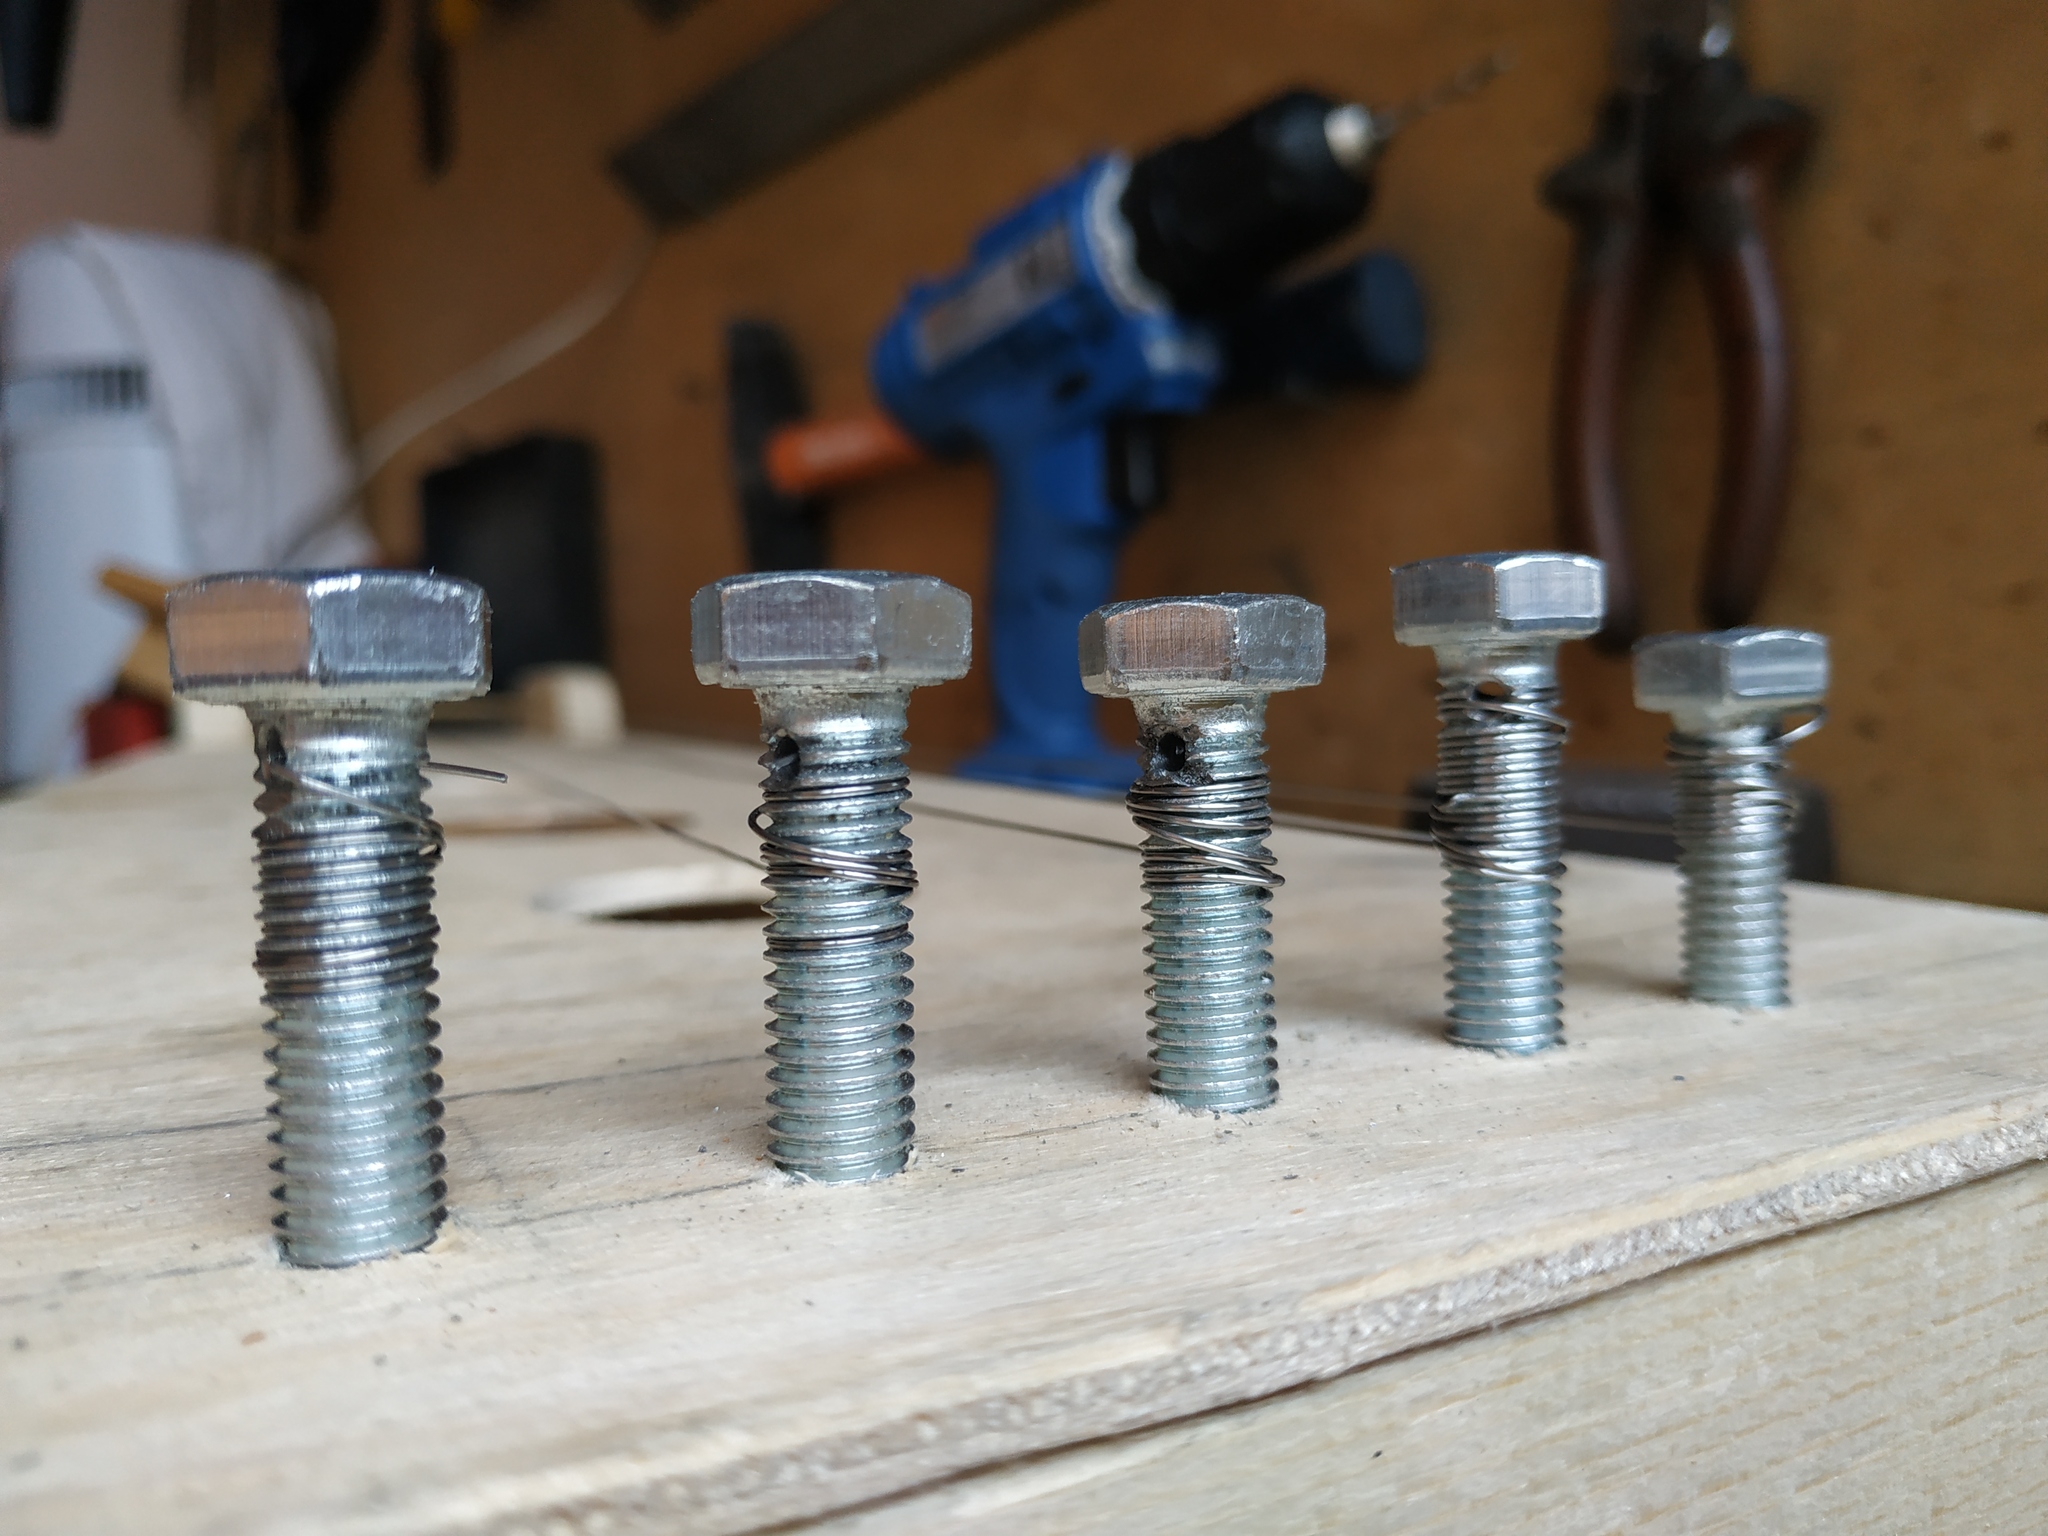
(1733, 819)
(838, 940)
(1209, 879)
(1496, 824)
(1184, 823)
(345, 854)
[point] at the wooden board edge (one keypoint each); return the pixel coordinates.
(633, 1492)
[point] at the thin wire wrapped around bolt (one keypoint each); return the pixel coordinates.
(436, 839)
(1186, 816)
(838, 936)
(1733, 821)
(347, 957)
(892, 870)
(1470, 825)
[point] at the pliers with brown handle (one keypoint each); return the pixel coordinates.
(1683, 146)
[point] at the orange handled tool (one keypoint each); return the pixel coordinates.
(807, 458)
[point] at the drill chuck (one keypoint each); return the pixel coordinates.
(1214, 218)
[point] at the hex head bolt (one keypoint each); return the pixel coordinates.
(1728, 694)
(1495, 623)
(831, 656)
(339, 671)
(1197, 670)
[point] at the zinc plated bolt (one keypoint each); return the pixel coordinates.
(1728, 693)
(1197, 671)
(339, 671)
(1495, 622)
(831, 657)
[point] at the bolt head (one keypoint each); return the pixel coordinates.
(848, 630)
(380, 636)
(1731, 676)
(1233, 643)
(1499, 599)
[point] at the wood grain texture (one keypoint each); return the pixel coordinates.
(632, 1324)
(1884, 1375)
(1913, 534)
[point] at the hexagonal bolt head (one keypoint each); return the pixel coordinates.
(844, 630)
(375, 636)
(1500, 599)
(1730, 677)
(1232, 644)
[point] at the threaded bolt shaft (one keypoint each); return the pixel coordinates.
(838, 936)
(1495, 622)
(1728, 693)
(1497, 824)
(346, 956)
(1201, 799)
(1734, 824)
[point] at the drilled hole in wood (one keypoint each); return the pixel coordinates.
(720, 892)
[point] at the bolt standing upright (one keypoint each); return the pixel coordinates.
(1728, 694)
(831, 656)
(339, 672)
(1495, 623)
(1197, 670)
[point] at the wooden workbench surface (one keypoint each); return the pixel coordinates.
(631, 1322)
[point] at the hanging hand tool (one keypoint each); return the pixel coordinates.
(322, 46)
(1111, 300)
(438, 28)
(850, 61)
(1683, 146)
(35, 38)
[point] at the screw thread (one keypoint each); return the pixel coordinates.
(838, 938)
(1496, 820)
(1734, 821)
(346, 957)
(1201, 801)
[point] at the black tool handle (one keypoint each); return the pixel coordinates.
(1602, 191)
(1722, 151)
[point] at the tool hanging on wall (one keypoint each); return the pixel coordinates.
(852, 60)
(1124, 294)
(439, 27)
(322, 46)
(1683, 147)
(35, 37)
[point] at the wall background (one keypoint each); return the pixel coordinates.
(1917, 534)
(129, 148)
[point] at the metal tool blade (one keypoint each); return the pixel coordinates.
(851, 61)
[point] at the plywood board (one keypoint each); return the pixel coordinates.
(632, 1323)
(1882, 1375)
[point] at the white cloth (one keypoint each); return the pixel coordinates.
(241, 380)
(237, 459)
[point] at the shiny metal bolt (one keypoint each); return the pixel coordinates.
(1728, 694)
(1495, 623)
(831, 657)
(339, 671)
(1197, 670)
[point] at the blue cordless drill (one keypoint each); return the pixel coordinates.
(1125, 293)
(1099, 303)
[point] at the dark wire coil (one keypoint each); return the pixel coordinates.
(347, 956)
(1747, 777)
(1495, 814)
(891, 870)
(1187, 818)
(434, 841)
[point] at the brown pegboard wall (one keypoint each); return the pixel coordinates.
(1916, 536)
